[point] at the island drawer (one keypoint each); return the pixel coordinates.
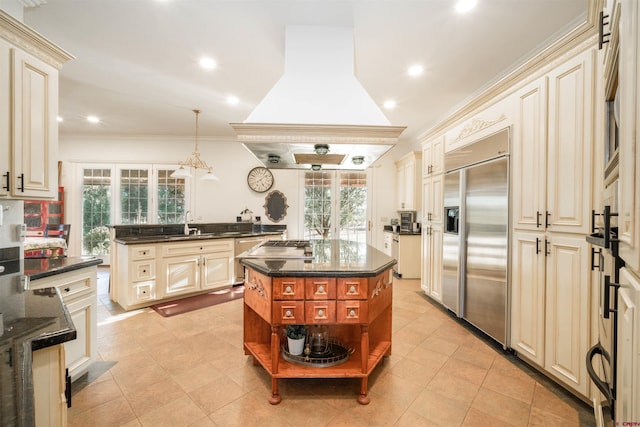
(352, 288)
(352, 311)
(320, 288)
(320, 312)
(288, 312)
(288, 288)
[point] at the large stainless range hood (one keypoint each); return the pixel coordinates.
(318, 101)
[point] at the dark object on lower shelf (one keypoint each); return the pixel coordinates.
(337, 354)
(185, 305)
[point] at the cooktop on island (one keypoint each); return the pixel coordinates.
(280, 249)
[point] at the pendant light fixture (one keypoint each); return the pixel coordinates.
(195, 162)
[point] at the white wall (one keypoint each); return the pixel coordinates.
(218, 201)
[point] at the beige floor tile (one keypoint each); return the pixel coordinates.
(476, 418)
(519, 387)
(95, 394)
(547, 402)
(112, 413)
(464, 370)
(453, 387)
(147, 399)
(507, 409)
(216, 394)
(439, 409)
(180, 412)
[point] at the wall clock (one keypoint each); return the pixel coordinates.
(260, 179)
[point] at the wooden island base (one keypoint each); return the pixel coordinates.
(355, 310)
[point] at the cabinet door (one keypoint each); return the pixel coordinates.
(528, 162)
(528, 296)
(566, 333)
(427, 164)
(409, 185)
(35, 129)
(217, 270)
(50, 403)
(79, 351)
(569, 145)
(435, 234)
(401, 184)
(629, 92)
(180, 275)
(628, 381)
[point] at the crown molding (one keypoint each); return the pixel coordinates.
(583, 36)
(18, 34)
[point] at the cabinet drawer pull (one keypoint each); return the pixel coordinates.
(352, 313)
(320, 289)
(67, 289)
(288, 313)
(321, 313)
(352, 289)
(288, 290)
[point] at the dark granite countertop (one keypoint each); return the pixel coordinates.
(38, 268)
(331, 258)
(136, 240)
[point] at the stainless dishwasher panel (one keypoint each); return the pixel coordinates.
(452, 244)
(243, 244)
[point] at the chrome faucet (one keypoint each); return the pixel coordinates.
(187, 229)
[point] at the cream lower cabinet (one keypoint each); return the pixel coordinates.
(628, 381)
(79, 294)
(190, 267)
(50, 402)
(136, 275)
(549, 310)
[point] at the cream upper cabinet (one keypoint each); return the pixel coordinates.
(28, 111)
(552, 149)
(528, 160)
(629, 92)
(409, 176)
(433, 157)
(570, 145)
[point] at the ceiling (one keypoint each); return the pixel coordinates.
(136, 63)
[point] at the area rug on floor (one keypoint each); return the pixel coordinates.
(184, 305)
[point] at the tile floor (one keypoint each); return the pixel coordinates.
(190, 370)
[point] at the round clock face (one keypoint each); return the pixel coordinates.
(260, 179)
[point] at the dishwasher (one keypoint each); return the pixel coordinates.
(243, 244)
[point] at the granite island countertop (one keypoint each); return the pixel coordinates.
(331, 258)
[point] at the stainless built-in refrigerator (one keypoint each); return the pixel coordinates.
(476, 235)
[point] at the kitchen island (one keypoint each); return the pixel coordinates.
(344, 286)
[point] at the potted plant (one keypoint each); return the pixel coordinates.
(296, 335)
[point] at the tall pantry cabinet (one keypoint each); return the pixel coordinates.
(28, 111)
(432, 211)
(552, 153)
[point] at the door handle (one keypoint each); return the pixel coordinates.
(21, 187)
(547, 245)
(538, 215)
(546, 221)
(537, 246)
(7, 175)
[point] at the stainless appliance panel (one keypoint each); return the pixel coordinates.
(451, 246)
(486, 231)
(243, 244)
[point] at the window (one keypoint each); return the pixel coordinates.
(145, 194)
(96, 211)
(329, 217)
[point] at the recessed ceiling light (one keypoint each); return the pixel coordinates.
(93, 119)
(207, 63)
(59, 119)
(465, 5)
(389, 104)
(415, 70)
(233, 100)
